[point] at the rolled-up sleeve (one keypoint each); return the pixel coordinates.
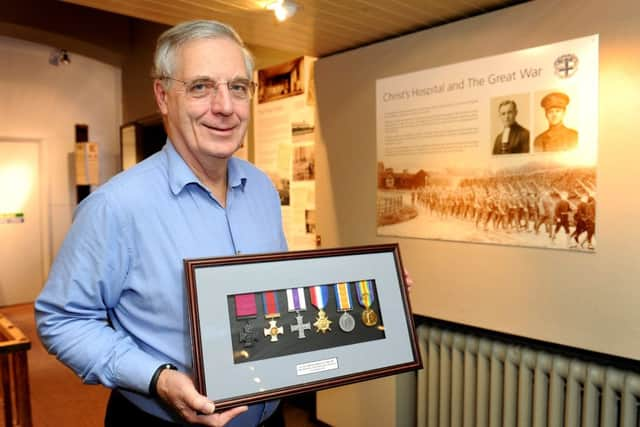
(84, 284)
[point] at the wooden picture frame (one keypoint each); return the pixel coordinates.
(258, 334)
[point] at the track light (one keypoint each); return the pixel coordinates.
(282, 9)
(59, 56)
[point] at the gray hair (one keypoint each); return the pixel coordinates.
(164, 60)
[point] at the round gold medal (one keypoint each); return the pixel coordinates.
(369, 317)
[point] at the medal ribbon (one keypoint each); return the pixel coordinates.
(319, 296)
(270, 303)
(364, 289)
(343, 296)
(245, 306)
(296, 300)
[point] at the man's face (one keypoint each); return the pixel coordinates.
(507, 114)
(555, 115)
(212, 127)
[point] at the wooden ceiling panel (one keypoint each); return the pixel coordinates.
(319, 28)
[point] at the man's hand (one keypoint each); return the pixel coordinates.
(178, 391)
(408, 281)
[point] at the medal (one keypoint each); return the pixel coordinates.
(319, 298)
(296, 302)
(343, 302)
(364, 289)
(271, 312)
(245, 310)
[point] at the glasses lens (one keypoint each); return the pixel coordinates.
(200, 88)
(240, 88)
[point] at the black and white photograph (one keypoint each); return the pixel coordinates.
(281, 81)
(310, 221)
(539, 204)
(284, 191)
(303, 163)
(510, 124)
(301, 128)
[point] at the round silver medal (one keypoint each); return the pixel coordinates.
(347, 322)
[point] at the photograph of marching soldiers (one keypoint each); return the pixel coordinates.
(537, 204)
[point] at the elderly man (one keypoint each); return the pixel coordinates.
(114, 307)
(557, 137)
(513, 138)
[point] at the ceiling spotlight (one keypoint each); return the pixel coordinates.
(282, 9)
(59, 56)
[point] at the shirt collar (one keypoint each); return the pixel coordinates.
(180, 174)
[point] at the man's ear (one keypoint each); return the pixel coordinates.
(161, 94)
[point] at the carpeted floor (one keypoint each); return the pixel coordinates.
(58, 397)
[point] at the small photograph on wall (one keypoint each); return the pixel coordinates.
(281, 81)
(310, 221)
(283, 188)
(510, 124)
(555, 118)
(499, 150)
(282, 185)
(303, 163)
(301, 128)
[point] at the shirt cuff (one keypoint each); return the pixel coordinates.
(135, 369)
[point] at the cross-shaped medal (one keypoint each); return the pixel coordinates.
(248, 335)
(274, 330)
(300, 327)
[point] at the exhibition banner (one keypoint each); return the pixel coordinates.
(501, 149)
(284, 139)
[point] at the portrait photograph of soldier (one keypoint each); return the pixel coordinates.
(511, 136)
(557, 136)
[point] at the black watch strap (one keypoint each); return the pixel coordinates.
(153, 385)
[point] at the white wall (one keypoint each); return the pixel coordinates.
(44, 102)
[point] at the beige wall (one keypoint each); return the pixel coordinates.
(589, 301)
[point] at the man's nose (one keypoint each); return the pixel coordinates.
(221, 100)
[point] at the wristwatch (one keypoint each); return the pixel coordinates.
(153, 385)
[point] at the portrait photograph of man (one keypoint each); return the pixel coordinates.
(512, 137)
(557, 136)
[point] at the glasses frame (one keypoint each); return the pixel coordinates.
(216, 83)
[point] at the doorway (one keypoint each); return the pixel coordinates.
(21, 221)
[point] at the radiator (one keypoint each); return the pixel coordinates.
(471, 381)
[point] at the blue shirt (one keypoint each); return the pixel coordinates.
(114, 306)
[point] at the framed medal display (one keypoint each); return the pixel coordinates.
(270, 325)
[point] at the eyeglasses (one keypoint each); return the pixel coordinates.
(240, 89)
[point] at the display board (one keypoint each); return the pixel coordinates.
(498, 150)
